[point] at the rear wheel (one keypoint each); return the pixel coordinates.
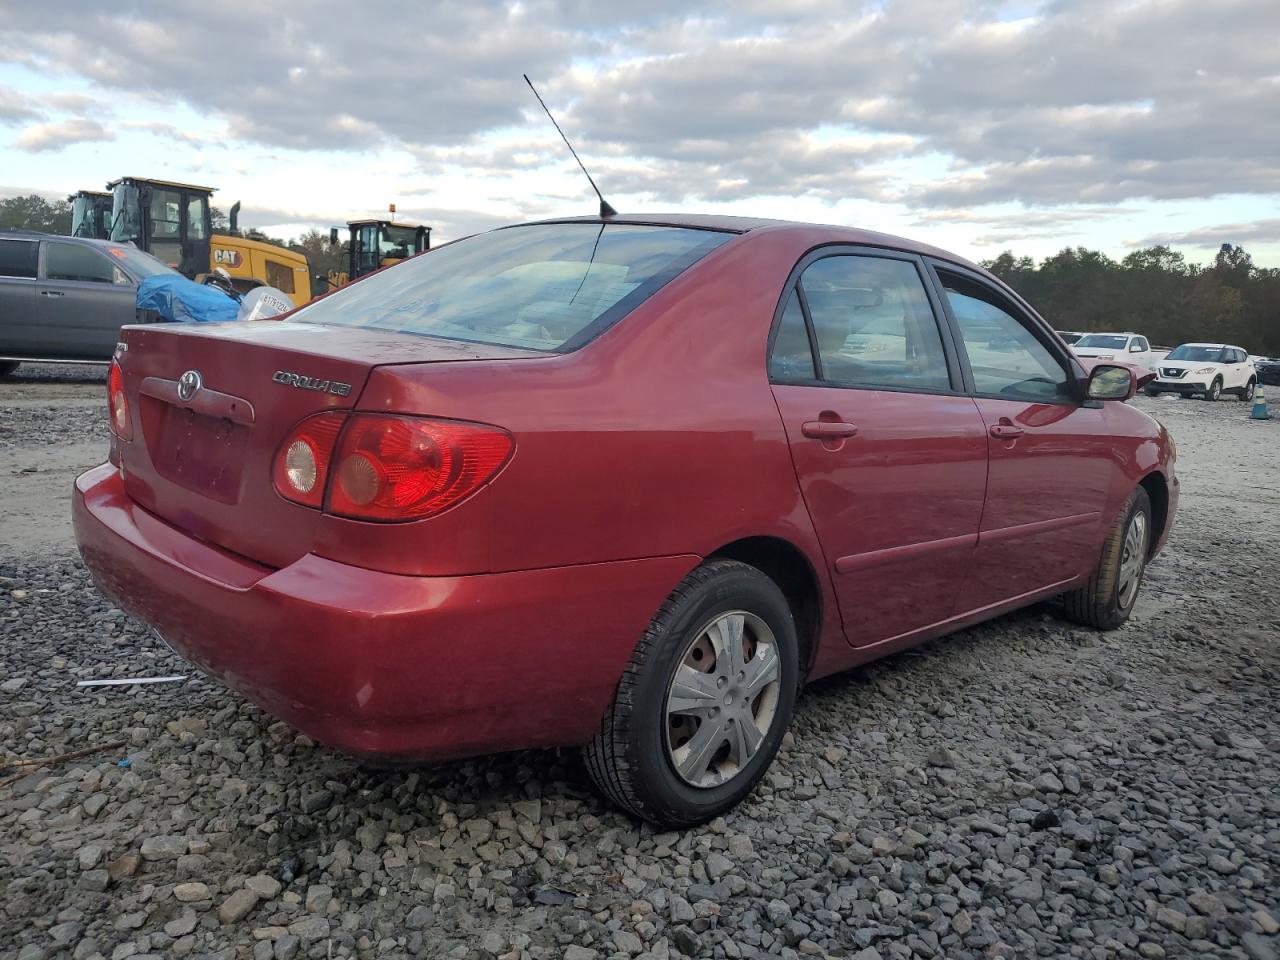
(1215, 389)
(705, 701)
(1107, 599)
(8, 366)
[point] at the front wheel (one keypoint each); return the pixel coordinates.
(1249, 390)
(703, 705)
(1215, 389)
(1107, 599)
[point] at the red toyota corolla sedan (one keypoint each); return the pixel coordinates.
(624, 483)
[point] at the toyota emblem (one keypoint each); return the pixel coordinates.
(188, 384)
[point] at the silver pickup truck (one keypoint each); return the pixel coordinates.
(66, 298)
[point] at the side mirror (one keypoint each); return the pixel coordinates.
(1109, 382)
(333, 236)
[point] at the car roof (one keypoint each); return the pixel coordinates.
(1218, 345)
(732, 224)
(19, 234)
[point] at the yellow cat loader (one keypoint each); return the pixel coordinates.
(374, 244)
(171, 222)
(90, 214)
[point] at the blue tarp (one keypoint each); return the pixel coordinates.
(178, 299)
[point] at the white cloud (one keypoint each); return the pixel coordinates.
(63, 133)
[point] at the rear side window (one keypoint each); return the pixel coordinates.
(71, 261)
(873, 324)
(546, 287)
(18, 258)
(792, 356)
(1006, 358)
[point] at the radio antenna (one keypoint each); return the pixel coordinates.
(605, 209)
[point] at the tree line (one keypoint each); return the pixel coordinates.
(1154, 292)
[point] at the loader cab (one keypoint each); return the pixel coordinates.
(379, 243)
(170, 221)
(90, 214)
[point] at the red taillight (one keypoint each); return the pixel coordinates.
(301, 466)
(407, 468)
(118, 403)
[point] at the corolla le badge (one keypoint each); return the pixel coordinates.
(188, 384)
(302, 382)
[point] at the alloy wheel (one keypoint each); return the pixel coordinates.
(723, 699)
(1132, 559)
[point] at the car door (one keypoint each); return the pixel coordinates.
(1241, 369)
(1051, 458)
(1140, 353)
(18, 263)
(83, 299)
(891, 456)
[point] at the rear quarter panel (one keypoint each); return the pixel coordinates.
(659, 438)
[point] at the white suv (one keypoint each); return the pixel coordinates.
(1209, 369)
(1125, 347)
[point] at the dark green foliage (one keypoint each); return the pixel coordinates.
(1154, 292)
(34, 212)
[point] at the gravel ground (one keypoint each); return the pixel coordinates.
(1024, 788)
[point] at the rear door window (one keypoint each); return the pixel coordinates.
(551, 286)
(791, 358)
(1006, 359)
(873, 324)
(18, 258)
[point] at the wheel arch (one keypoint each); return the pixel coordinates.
(786, 565)
(1157, 488)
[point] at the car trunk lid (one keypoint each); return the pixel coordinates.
(211, 405)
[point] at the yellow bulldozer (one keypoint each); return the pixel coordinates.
(374, 244)
(171, 221)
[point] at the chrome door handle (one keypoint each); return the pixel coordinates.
(1005, 431)
(828, 429)
(50, 293)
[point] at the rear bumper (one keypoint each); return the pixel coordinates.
(374, 663)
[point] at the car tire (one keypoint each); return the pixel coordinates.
(645, 750)
(1215, 389)
(1108, 597)
(8, 366)
(1152, 393)
(1249, 389)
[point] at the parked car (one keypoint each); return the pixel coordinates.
(614, 483)
(1069, 336)
(1268, 370)
(66, 298)
(1125, 347)
(1207, 369)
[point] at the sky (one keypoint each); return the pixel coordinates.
(974, 126)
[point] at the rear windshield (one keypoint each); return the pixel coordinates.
(545, 287)
(1104, 340)
(1197, 354)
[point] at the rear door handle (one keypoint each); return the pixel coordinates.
(827, 429)
(50, 293)
(1005, 431)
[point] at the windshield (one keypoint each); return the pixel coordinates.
(141, 265)
(399, 242)
(546, 287)
(126, 221)
(1103, 340)
(1197, 354)
(82, 224)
